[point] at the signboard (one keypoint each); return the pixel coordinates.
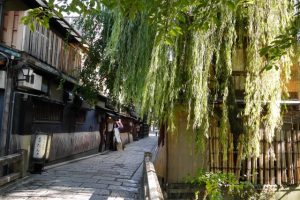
(40, 146)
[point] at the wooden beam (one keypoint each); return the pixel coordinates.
(10, 158)
(9, 178)
(151, 182)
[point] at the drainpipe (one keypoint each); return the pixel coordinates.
(3, 132)
(6, 105)
(11, 119)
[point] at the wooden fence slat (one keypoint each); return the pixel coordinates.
(298, 155)
(217, 150)
(254, 173)
(261, 159)
(283, 162)
(231, 162)
(295, 153)
(224, 157)
(278, 157)
(272, 160)
(249, 169)
(266, 161)
(289, 158)
(239, 158)
(211, 140)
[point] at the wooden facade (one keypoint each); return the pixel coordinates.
(44, 44)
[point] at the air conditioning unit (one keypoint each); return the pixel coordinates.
(34, 81)
(2, 79)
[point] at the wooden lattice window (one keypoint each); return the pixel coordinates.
(81, 116)
(47, 112)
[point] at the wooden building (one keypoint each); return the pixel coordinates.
(33, 101)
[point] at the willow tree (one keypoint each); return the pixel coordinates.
(160, 54)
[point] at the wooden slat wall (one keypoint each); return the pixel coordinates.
(50, 48)
(278, 163)
(43, 44)
(12, 29)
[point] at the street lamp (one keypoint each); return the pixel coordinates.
(25, 74)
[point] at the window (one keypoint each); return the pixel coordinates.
(80, 116)
(47, 112)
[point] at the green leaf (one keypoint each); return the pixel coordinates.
(231, 5)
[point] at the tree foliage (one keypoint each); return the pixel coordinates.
(161, 53)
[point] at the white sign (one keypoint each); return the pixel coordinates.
(40, 146)
(117, 135)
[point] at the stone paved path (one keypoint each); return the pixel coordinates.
(113, 176)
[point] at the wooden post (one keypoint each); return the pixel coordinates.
(16, 162)
(23, 169)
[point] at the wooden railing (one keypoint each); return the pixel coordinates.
(15, 165)
(152, 190)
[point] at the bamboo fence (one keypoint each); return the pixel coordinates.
(277, 164)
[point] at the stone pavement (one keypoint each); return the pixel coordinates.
(111, 176)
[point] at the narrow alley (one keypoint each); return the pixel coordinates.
(114, 175)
